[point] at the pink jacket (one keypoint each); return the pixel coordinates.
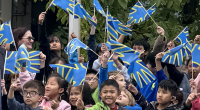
(64, 106)
(196, 104)
(25, 77)
(197, 81)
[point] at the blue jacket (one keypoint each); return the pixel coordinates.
(15, 105)
(136, 107)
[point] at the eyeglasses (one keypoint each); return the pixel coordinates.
(88, 79)
(31, 94)
(29, 38)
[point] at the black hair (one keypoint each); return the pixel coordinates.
(92, 71)
(62, 84)
(51, 37)
(56, 60)
(110, 82)
(170, 85)
(190, 58)
(179, 97)
(86, 94)
(98, 49)
(141, 42)
(36, 85)
(151, 59)
(1, 21)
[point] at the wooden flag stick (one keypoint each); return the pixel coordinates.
(84, 78)
(94, 52)
(94, 11)
(49, 6)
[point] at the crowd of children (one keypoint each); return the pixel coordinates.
(173, 89)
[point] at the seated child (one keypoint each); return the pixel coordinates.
(33, 91)
(165, 95)
(80, 94)
(127, 101)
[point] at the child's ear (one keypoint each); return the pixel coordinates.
(145, 52)
(61, 90)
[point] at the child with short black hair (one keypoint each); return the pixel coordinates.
(166, 93)
(33, 91)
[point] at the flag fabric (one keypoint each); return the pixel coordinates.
(175, 55)
(73, 45)
(79, 73)
(98, 7)
(111, 66)
(127, 54)
(183, 37)
(142, 75)
(151, 10)
(22, 57)
(73, 73)
(10, 60)
(35, 60)
(138, 13)
(6, 36)
(66, 5)
(65, 71)
(121, 28)
(195, 55)
(80, 12)
(110, 28)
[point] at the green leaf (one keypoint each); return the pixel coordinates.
(170, 3)
(177, 7)
(172, 20)
(110, 2)
(158, 3)
(163, 2)
(148, 35)
(123, 3)
(53, 9)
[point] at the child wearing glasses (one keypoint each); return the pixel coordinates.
(33, 91)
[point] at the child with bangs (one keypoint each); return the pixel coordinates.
(80, 97)
(55, 93)
(33, 91)
(166, 94)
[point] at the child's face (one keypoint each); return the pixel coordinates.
(196, 70)
(121, 81)
(31, 97)
(123, 99)
(92, 83)
(163, 96)
(138, 48)
(52, 88)
(109, 95)
(74, 95)
(55, 44)
(17, 81)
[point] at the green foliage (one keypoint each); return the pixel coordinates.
(169, 15)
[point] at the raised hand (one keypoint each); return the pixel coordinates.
(41, 18)
(160, 31)
(54, 104)
(3, 87)
(80, 104)
(133, 89)
(159, 56)
(81, 59)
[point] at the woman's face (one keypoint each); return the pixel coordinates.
(123, 99)
(27, 40)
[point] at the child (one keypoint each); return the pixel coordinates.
(195, 103)
(109, 91)
(165, 95)
(33, 91)
(55, 92)
(127, 101)
(92, 79)
(116, 75)
(80, 93)
(5, 87)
